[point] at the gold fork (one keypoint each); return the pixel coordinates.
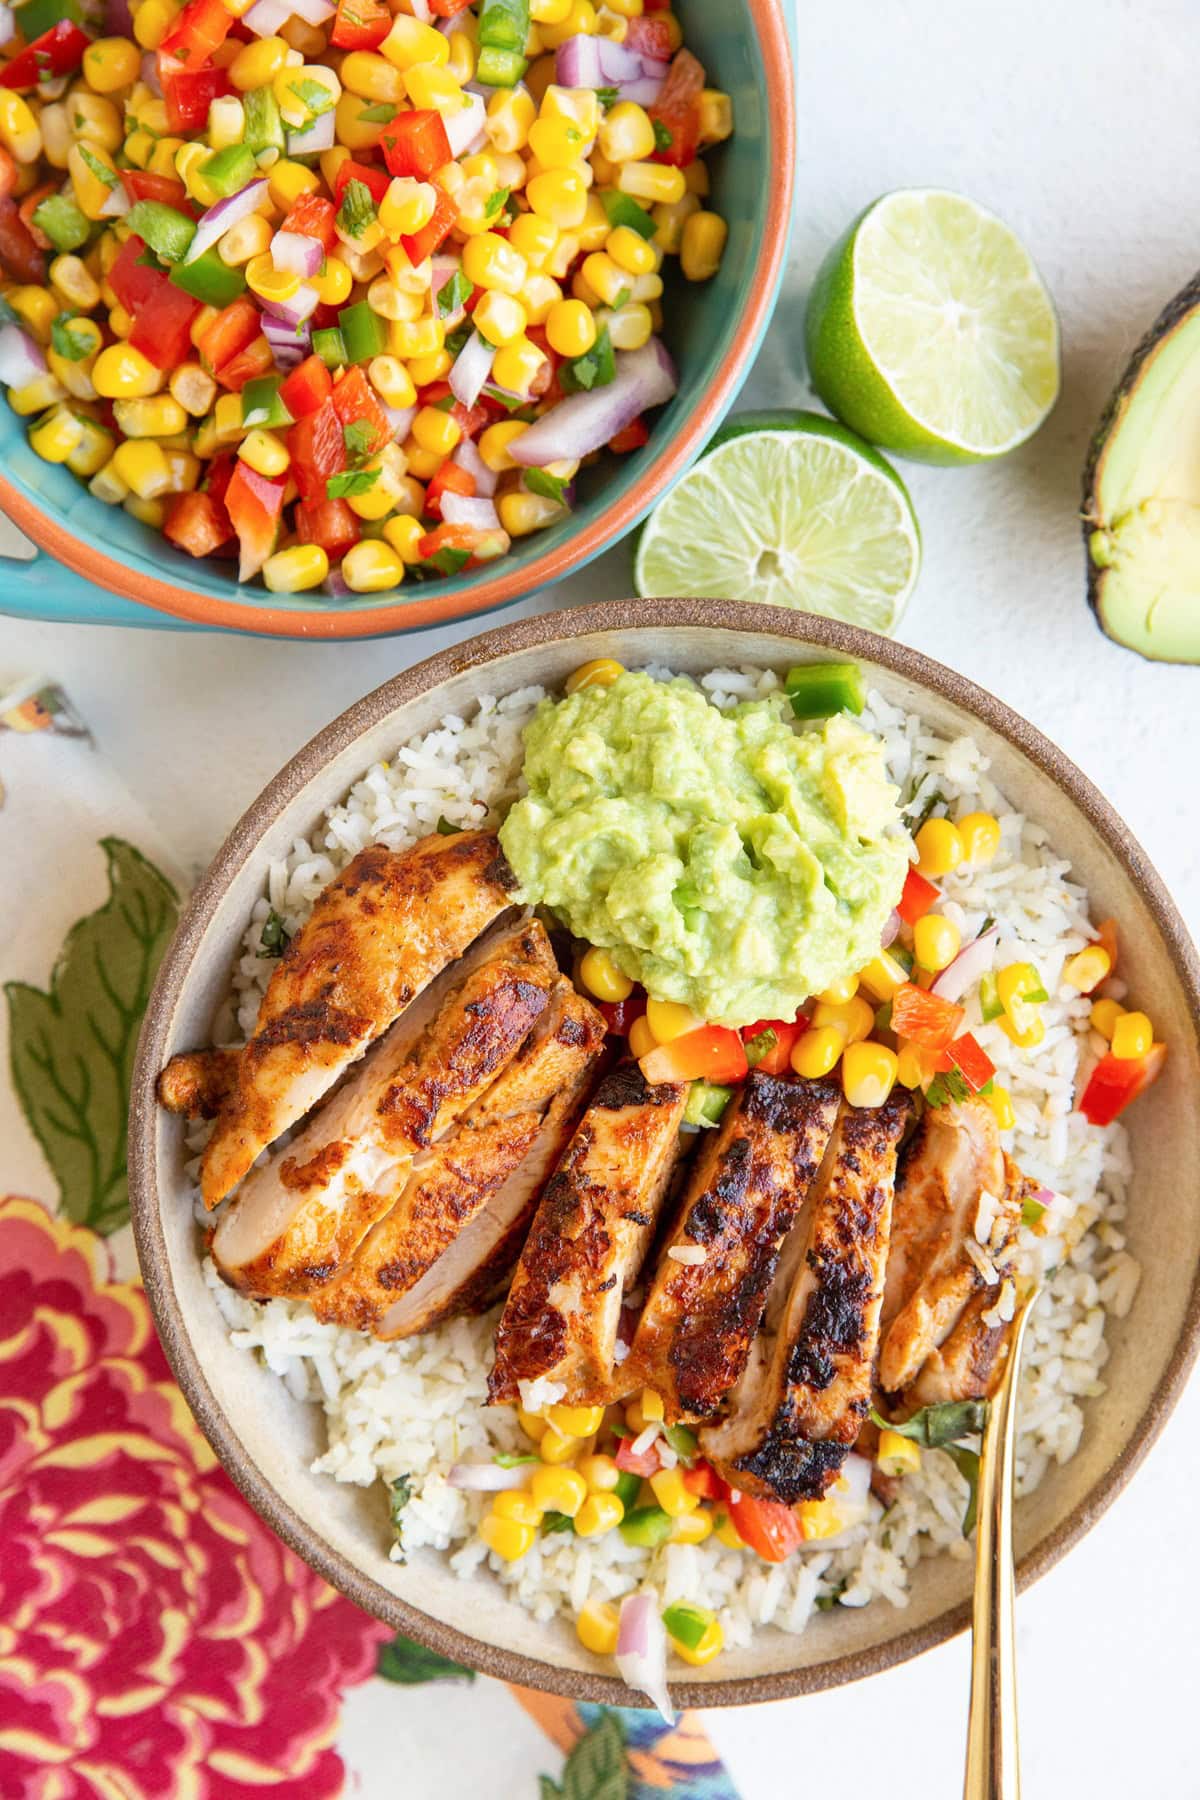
(993, 1753)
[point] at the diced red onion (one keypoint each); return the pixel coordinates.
(485, 1478)
(290, 344)
(465, 125)
(645, 89)
(313, 12)
(317, 136)
(297, 254)
(445, 268)
(596, 62)
(856, 1472)
(217, 220)
(149, 74)
(585, 422)
(471, 368)
(337, 587)
(266, 16)
(8, 25)
(968, 967)
(891, 930)
(400, 418)
(118, 21)
(467, 457)
(21, 358)
(303, 303)
(642, 1651)
(465, 509)
(420, 9)
(116, 203)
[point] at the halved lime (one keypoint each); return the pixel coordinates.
(930, 331)
(791, 509)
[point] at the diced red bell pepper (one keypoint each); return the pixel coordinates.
(144, 184)
(918, 897)
(197, 522)
(415, 143)
(57, 52)
(329, 523)
(702, 1479)
(188, 93)
(1116, 1080)
(255, 360)
(778, 1059)
(307, 387)
(925, 1019)
(254, 505)
(973, 1063)
(197, 31)
(1106, 937)
(235, 326)
(422, 244)
(220, 473)
(459, 481)
(767, 1526)
(360, 25)
(377, 180)
(650, 37)
(642, 1462)
(480, 545)
(632, 438)
(711, 1053)
(318, 450)
(355, 403)
(311, 215)
(675, 115)
(619, 1015)
(19, 255)
(8, 175)
(448, 9)
(162, 326)
(132, 280)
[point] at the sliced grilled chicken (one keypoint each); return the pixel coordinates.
(588, 1241)
(198, 1082)
(376, 937)
(477, 1167)
(740, 1200)
(806, 1389)
(301, 1215)
(938, 1266)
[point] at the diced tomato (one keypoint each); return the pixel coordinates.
(675, 115)
(28, 206)
(415, 143)
(220, 473)
(925, 1019)
(255, 360)
(329, 523)
(19, 255)
(778, 1059)
(197, 31)
(377, 180)
(235, 326)
(144, 184)
(162, 326)
(254, 504)
(360, 24)
(307, 387)
(132, 280)
(355, 403)
(632, 438)
(1116, 1080)
(459, 481)
(197, 522)
(649, 37)
(188, 93)
(768, 1526)
(973, 1064)
(57, 52)
(317, 450)
(1106, 937)
(712, 1053)
(918, 897)
(315, 217)
(452, 537)
(423, 243)
(619, 1015)
(644, 1463)
(703, 1479)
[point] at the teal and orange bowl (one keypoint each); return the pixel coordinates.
(712, 330)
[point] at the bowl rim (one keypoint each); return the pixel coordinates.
(529, 633)
(163, 595)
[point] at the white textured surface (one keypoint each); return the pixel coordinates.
(1077, 122)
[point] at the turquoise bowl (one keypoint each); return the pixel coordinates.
(713, 332)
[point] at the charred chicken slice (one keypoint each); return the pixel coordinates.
(375, 939)
(958, 1208)
(741, 1198)
(298, 1218)
(588, 1241)
(806, 1389)
(482, 1173)
(197, 1083)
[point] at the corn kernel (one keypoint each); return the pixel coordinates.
(122, 373)
(882, 977)
(92, 451)
(499, 318)
(819, 1519)
(669, 1019)
(515, 366)
(164, 160)
(20, 133)
(108, 486)
(372, 566)
(1132, 1036)
(150, 418)
(519, 1506)
(435, 431)
(652, 1407)
(716, 116)
(249, 239)
(709, 1646)
(75, 376)
(626, 133)
(630, 251)
(597, 1626)
(556, 143)
(152, 21)
(372, 77)
(558, 1490)
(549, 12)
(226, 121)
(1000, 1101)
(376, 503)
(510, 114)
(194, 388)
(702, 245)
(494, 443)
(256, 65)
(556, 1446)
(1026, 1037)
(423, 463)
(186, 163)
(854, 1018)
(392, 381)
(36, 395)
(641, 1038)
(264, 452)
(980, 833)
(560, 196)
(533, 237)
(936, 941)
(404, 534)
(606, 279)
(670, 221)
(56, 134)
(286, 181)
(38, 308)
(1088, 968)
(815, 1052)
(110, 63)
(600, 1472)
(602, 978)
(228, 422)
(151, 513)
(940, 848)
(538, 297)
(56, 435)
(292, 571)
(532, 1424)
(598, 1514)
(568, 247)
(433, 88)
(334, 283)
(656, 182)
(1104, 1015)
(570, 328)
(410, 42)
(578, 21)
(726, 1532)
(839, 993)
(508, 1539)
(183, 467)
(576, 1421)
(410, 338)
(425, 370)
(143, 467)
(868, 1073)
(671, 1493)
(74, 281)
(691, 1528)
(489, 261)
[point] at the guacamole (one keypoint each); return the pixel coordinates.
(726, 860)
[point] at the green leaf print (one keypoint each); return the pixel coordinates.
(410, 1664)
(596, 1768)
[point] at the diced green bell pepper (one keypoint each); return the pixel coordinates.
(264, 124)
(167, 231)
(990, 1003)
(261, 404)
(227, 171)
(364, 333)
(329, 344)
(208, 279)
(706, 1102)
(623, 209)
(62, 221)
(648, 1526)
(38, 16)
(818, 690)
(628, 1487)
(504, 24)
(687, 1624)
(499, 68)
(595, 368)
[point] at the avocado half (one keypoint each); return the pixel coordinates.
(1141, 493)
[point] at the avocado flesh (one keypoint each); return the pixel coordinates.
(1143, 504)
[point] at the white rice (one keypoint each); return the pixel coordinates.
(414, 1408)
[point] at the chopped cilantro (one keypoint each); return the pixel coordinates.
(445, 829)
(399, 1495)
(458, 340)
(357, 209)
(454, 294)
(100, 170)
(74, 345)
(359, 439)
(550, 487)
(275, 939)
(382, 113)
(313, 95)
(497, 201)
(662, 136)
(354, 481)
(448, 560)
(1032, 1212)
(608, 96)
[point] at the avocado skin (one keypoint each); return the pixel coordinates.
(1173, 314)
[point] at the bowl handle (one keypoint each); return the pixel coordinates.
(34, 586)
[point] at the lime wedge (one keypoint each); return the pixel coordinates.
(790, 509)
(930, 331)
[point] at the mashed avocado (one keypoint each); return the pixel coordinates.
(724, 859)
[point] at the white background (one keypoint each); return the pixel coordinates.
(1079, 122)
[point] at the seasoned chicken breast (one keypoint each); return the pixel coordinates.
(476, 1168)
(299, 1217)
(198, 1082)
(588, 1240)
(740, 1200)
(954, 1182)
(376, 937)
(806, 1389)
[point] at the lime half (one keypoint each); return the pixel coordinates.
(930, 331)
(790, 509)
